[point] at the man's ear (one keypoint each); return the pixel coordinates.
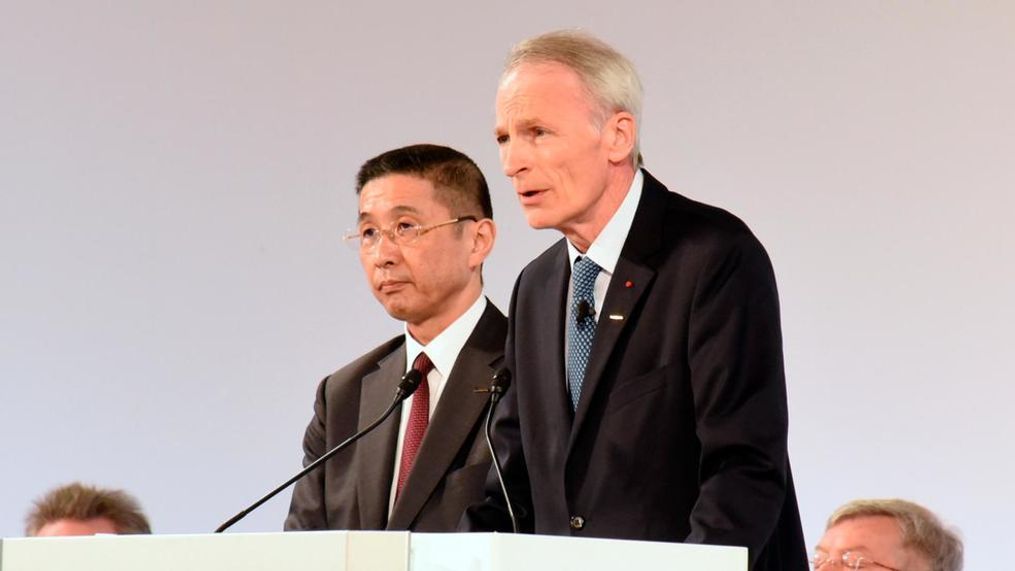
(483, 238)
(622, 132)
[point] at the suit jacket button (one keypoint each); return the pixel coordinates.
(577, 522)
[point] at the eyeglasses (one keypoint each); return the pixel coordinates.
(849, 560)
(400, 233)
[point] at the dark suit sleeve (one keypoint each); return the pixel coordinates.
(307, 509)
(735, 352)
(492, 513)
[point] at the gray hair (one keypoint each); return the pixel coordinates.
(609, 78)
(921, 529)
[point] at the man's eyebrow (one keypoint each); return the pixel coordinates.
(525, 123)
(844, 549)
(405, 210)
(519, 125)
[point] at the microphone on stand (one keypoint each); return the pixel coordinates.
(498, 386)
(406, 386)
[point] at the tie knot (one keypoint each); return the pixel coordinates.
(585, 273)
(423, 364)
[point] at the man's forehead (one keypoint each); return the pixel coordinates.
(858, 532)
(366, 212)
(397, 188)
(529, 91)
(397, 195)
(71, 526)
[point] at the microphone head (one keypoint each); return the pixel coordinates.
(408, 385)
(501, 380)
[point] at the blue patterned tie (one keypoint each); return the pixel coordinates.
(581, 324)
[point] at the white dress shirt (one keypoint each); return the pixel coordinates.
(443, 351)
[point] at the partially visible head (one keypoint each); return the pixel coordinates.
(568, 108)
(427, 279)
(77, 509)
(895, 533)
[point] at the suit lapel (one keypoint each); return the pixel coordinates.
(454, 419)
(553, 307)
(620, 302)
(375, 468)
(632, 279)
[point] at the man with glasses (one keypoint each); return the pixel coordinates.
(424, 230)
(896, 535)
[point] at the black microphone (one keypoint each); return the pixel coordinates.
(406, 386)
(498, 386)
(584, 310)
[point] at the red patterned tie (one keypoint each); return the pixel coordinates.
(419, 417)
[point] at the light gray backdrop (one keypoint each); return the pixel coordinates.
(175, 176)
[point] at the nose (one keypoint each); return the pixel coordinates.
(513, 158)
(385, 253)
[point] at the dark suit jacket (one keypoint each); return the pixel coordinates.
(680, 432)
(351, 490)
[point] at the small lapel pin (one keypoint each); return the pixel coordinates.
(616, 317)
(629, 284)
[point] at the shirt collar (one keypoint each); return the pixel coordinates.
(443, 349)
(605, 249)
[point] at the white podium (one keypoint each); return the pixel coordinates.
(359, 551)
(305, 551)
(507, 552)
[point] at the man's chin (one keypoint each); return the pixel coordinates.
(397, 312)
(398, 309)
(538, 218)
